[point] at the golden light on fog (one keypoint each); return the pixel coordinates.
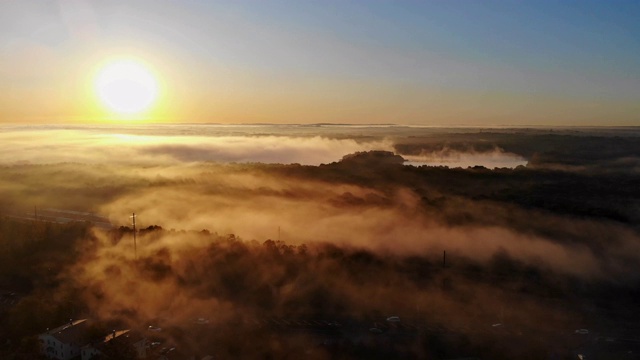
(126, 87)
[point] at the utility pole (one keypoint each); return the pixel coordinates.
(135, 246)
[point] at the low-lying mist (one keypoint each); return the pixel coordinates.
(371, 202)
(79, 145)
(243, 229)
(495, 158)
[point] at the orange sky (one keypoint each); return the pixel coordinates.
(249, 62)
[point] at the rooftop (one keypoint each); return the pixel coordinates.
(120, 335)
(114, 335)
(72, 332)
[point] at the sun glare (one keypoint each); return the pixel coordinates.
(126, 87)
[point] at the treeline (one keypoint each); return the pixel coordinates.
(234, 282)
(608, 196)
(243, 281)
(542, 148)
(33, 256)
(33, 253)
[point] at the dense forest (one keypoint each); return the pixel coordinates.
(365, 257)
(448, 307)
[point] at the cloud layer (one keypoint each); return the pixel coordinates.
(91, 146)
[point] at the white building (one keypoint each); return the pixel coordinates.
(64, 342)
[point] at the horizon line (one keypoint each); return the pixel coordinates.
(321, 124)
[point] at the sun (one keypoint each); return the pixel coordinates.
(126, 87)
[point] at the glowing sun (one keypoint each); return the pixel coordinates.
(126, 87)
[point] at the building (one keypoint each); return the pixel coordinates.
(71, 341)
(116, 345)
(64, 342)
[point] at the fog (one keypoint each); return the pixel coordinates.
(42, 146)
(186, 183)
(496, 158)
(238, 227)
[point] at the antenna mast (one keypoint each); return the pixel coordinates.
(135, 246)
